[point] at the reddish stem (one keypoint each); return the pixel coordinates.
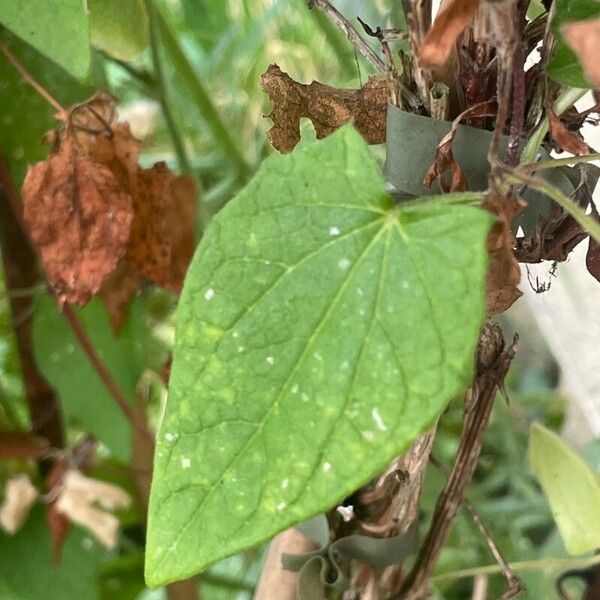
(20, 271)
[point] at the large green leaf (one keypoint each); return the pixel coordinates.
(83, 395)
(565, 67)
(59, 29)
(27, 571)
(572, 488)
(119, 27)
(25, 115)
(320, 330)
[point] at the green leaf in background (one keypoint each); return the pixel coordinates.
(565, 67)
(59, 29)
(25, 115)
(119, 27)
(27, 571)
(320, 330)
(572, 489)
(83, 395)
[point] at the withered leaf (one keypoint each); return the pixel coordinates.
(450, 22)
(163, 230)
(327, 107)
(149, 249)
(584, 39)
(445, 161)
(118, 291)
(79, 218)
(162, 242)
(566, 140)
(180, 225)
(444, 157)
(558, 233)
(108, 142)
(503, 274)
(592, 259)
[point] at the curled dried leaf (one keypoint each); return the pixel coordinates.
(107, 495)
(77, 497)
(592, 259)
(503, 274)
(102, 525)
(149, 249)
(566, 140)
(118, 291)
(180, 227)
(450, 22)
(584, 39)
(327, 107)
(445, 161)
(79, 218)
(19, 496)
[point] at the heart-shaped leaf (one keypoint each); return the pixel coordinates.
(320, 330)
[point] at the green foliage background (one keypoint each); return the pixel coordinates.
(211, 55)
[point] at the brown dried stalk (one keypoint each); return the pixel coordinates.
(20, 271)
(353, 36)
(493, 360)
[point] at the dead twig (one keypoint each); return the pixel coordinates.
(353, 36)
(493, 360)
(513, 582)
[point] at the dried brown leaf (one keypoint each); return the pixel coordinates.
(592, 259)
(584, 39)
(180, 225)
(79, 218)
(149, 248)
(566, 140)
(503, 274)
(450, 22)
(327, 107)
(445, 161)
(118, 291)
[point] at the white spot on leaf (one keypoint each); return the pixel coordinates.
(270, 360)
(186, 463)
(333, 230)
(327, 467)
(378, 420)
(209, 294)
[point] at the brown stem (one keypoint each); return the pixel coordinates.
(518, 89)
(493, 361)
(514, 585)
(518, 108)
(401, 512)
(20, 272)
(28, 77)
(101, 369)
(353, 36)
